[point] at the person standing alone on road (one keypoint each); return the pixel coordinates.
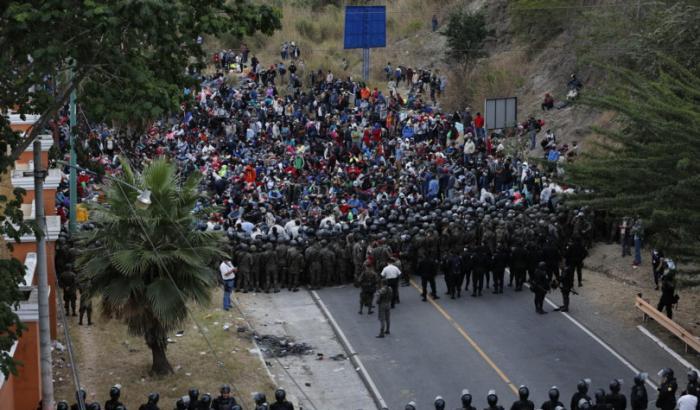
(391, 273)
(228, 275)
(383, 299)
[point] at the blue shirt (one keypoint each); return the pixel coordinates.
(433, 188)
(553, 155)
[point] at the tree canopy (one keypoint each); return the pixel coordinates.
(465, 34)
(648, 164)
(127, 59)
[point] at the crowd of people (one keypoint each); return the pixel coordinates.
(613, 399)
(328, 184)
(339, 183)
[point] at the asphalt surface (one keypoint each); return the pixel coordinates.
(492, 342)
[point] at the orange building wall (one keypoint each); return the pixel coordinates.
(7, 393)
(27, 156)
(20, 127)
(49, 200)
(27, 386)
(20, 251)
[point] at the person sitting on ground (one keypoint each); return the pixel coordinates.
(548, 102)
(574, 86)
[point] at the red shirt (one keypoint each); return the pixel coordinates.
(479, 121)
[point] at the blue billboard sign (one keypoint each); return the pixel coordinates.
(365, 27)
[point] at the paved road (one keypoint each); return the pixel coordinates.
(494, 342)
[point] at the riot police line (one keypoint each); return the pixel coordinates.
(582, 399)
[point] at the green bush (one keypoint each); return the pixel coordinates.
(465, 34)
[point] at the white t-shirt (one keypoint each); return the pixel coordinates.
(687, 402)
(227, 270)
(391, 272)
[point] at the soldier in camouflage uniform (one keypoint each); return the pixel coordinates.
(368, 285)
(358, 258)
(70, 289)
(245, 266)
(295, 261)
(282, 262)
(255, 269)
(407, 258)
(85, 300)
(328, 275)
(313, 260)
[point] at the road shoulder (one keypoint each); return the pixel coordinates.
(317, 383)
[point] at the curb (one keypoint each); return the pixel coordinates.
(351, 353)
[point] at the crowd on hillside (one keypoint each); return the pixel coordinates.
(612, 399)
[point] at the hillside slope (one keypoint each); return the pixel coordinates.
(512, 68)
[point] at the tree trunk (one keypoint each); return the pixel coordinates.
(158, 343)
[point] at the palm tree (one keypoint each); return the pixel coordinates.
(147, 264)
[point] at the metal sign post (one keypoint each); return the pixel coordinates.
(365, 64)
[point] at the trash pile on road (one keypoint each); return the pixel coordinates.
(273, 346)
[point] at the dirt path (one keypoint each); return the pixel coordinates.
(610, 286)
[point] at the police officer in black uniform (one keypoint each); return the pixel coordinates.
(668, 289)
(638, 396)
(693, 387)
(492, 401)
(204, 402)
(225, 401)
(666, 399)
(566, 286)
(540, 286)
(113, 401)
(581, 393)
(281, 402)
(152, 403)
(79, 395)
(466, 400)
(553, 401)
(615, 399)
(439, 403)
(523, 402)
(600, 403)
(499, 262)
(194, 398)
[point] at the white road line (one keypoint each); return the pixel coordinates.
(352, 353)
(602, 343)
(668, 350)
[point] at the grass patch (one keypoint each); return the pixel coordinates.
(498, 76)
(107, 355)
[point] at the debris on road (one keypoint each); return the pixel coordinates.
(273, 346)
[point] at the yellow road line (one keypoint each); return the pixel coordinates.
(471, 341)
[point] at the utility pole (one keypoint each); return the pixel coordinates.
(44, 320)
(73, 183)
